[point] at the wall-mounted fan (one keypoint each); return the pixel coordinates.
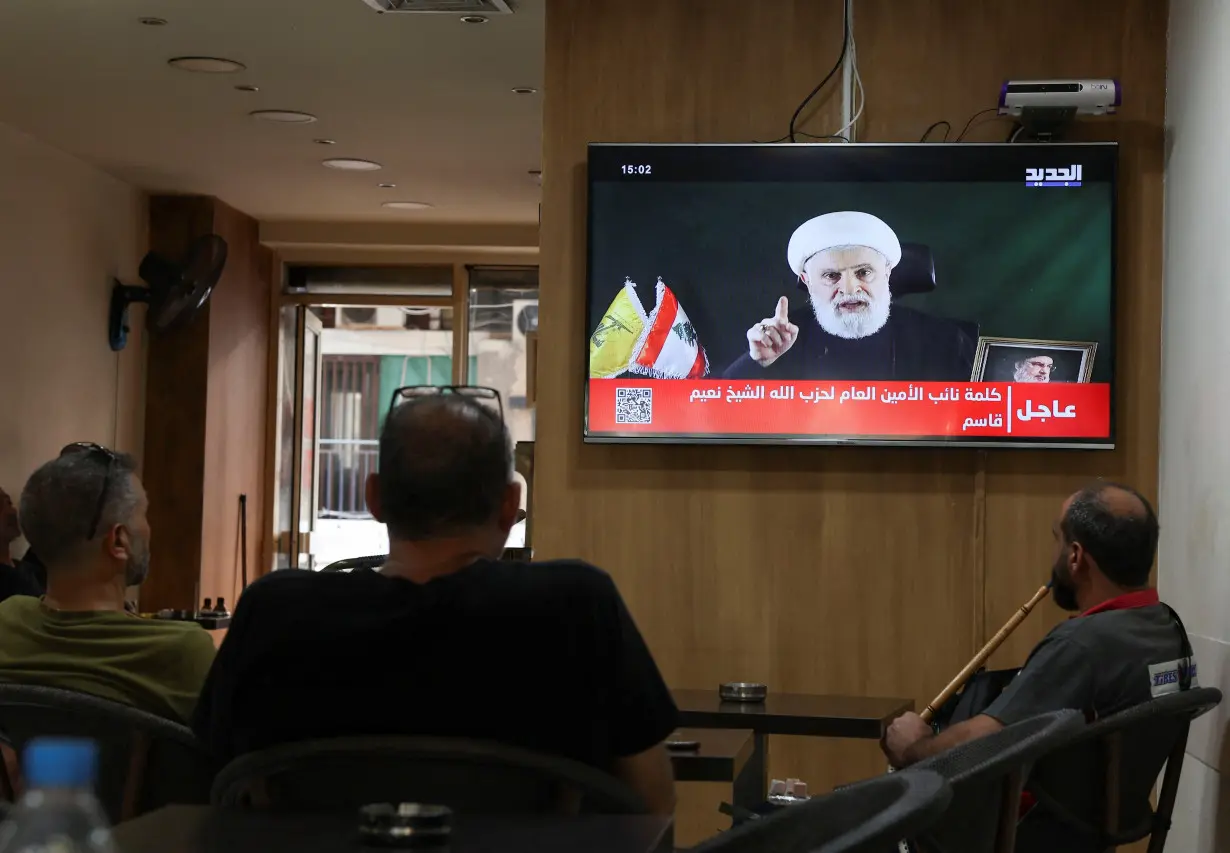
(176, 290)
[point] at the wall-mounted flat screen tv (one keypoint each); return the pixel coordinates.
(931, 294)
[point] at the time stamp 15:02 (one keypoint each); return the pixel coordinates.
(637, 169)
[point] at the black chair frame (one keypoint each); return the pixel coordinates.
(145, 761)
(987, 776)
(1110, 739)
(467, 775)
(867, 817)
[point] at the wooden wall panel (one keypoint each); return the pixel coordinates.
(177, 372)
(825, 570)
(236, 406)
(205, 412)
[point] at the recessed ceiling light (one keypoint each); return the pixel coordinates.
(283, 116)
(473, 19)
(524, 90)
(387, 186)
(406, 205)
(153, 22)
(351, 164)
(206, 64)
(325, 141)
(247, 87)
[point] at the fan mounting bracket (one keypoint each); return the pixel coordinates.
(122, 295)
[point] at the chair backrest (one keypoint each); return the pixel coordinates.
(145, 761)
(475, 777)
(1096, 788)
(377, 560)
(350, 563)
(987, 776)
(868, 817)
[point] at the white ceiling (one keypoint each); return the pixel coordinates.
(425, 95)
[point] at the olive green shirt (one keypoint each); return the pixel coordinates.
(155, 665)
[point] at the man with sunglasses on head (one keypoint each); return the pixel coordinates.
(446, 639)
(84, 513)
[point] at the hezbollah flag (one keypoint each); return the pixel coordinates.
(662, 345)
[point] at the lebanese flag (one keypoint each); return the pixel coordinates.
(668, 347)
(662, 344)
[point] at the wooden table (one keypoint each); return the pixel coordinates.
(203, 829)
(863, 717)
(723, 756)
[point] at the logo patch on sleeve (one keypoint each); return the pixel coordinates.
(1164, 677)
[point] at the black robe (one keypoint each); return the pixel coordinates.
(911, 347)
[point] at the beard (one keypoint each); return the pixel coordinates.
(1063, 591)
(1023, 375)
(137, 569)
(852, 322)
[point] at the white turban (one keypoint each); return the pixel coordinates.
(842, 228)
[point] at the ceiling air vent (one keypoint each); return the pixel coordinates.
(456, 7)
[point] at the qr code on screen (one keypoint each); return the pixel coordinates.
(633, 405)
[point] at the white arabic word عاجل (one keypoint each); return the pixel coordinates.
(1029, 413)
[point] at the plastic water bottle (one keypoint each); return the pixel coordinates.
(58, 812)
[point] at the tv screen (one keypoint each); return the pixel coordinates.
(928, 294)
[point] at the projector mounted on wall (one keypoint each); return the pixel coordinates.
(455, 7)
(1044, 107)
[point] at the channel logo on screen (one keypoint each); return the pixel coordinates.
(1069, 177)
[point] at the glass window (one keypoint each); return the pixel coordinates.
(503, 334)
(367, 352)
(503, 342)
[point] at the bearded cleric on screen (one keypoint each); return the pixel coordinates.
(852, 331)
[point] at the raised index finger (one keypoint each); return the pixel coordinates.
(783, 311)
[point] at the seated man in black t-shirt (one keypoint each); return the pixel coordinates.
(1123, 649)
(446, 639)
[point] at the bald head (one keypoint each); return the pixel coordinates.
(1117, 527)
(445, 469)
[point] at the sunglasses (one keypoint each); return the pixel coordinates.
(107, 457)
(488, 397)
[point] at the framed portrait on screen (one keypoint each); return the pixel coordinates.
(1029, 360)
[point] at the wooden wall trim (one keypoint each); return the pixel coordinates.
(335, 255)
(978, 532)
(265, 535)
(461, 323)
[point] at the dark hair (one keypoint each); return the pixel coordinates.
(60, 499)
(445, 463)
(1122, 542)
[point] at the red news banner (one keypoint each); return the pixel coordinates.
(941, 409)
